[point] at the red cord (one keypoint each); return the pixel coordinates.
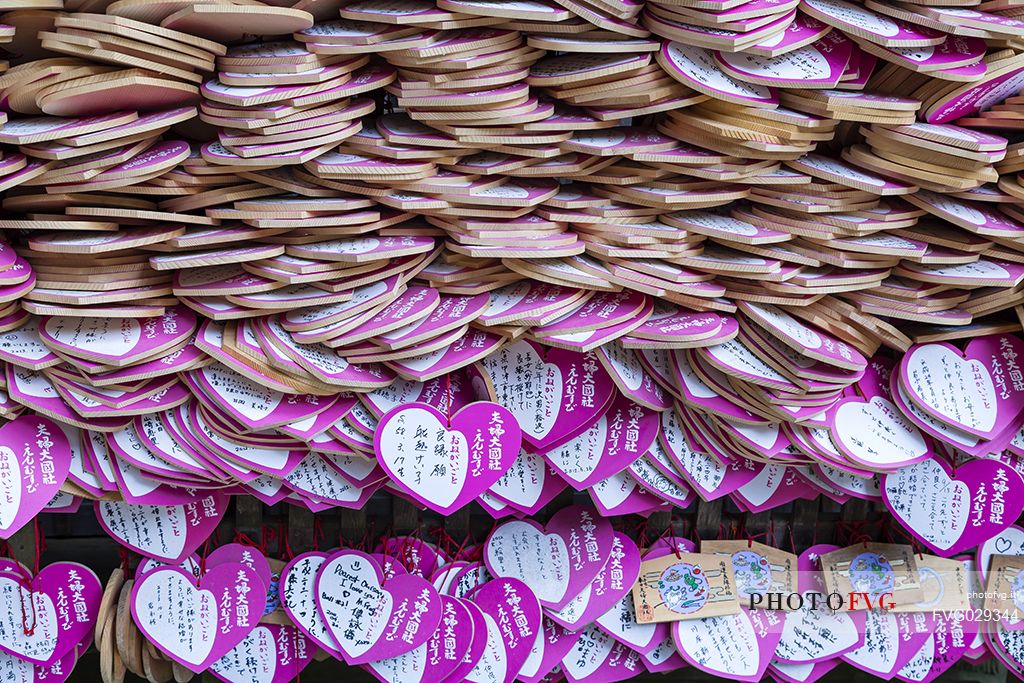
(39, 544)
(318, 533)
(30, 630)
(448, 398)
(24, 615)
(286, 546)
(125, 561)
(202, 561)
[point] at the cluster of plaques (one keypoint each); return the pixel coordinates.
(569, 600)
(492, 250)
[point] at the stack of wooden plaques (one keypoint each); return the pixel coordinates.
(280, 105)
(237, 233)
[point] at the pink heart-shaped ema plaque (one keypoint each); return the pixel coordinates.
(168, 533)
(556, 561)
(297, 587)
(197, 625)
(620, 436)
(436, 659)
(45, 617)
(950, 512)
(942, 649)
(612, 584)
(271, 653)
(890, 641)
(746, 643)
(978, 391)
(874, 433)
(553, 393)
(598, 657)
(118, 341)
(35, 458)
(513, 606)
(444, 464)
(23, 671)
(371, 618)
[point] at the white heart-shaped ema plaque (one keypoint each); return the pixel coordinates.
(930, 502)
(444, 461)
(370, 616)
(188, 631)
(521, 550)
(445, 449)
(196, 625)
(535, 401)
(876, 434)
(951, 388)
(37, 644)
